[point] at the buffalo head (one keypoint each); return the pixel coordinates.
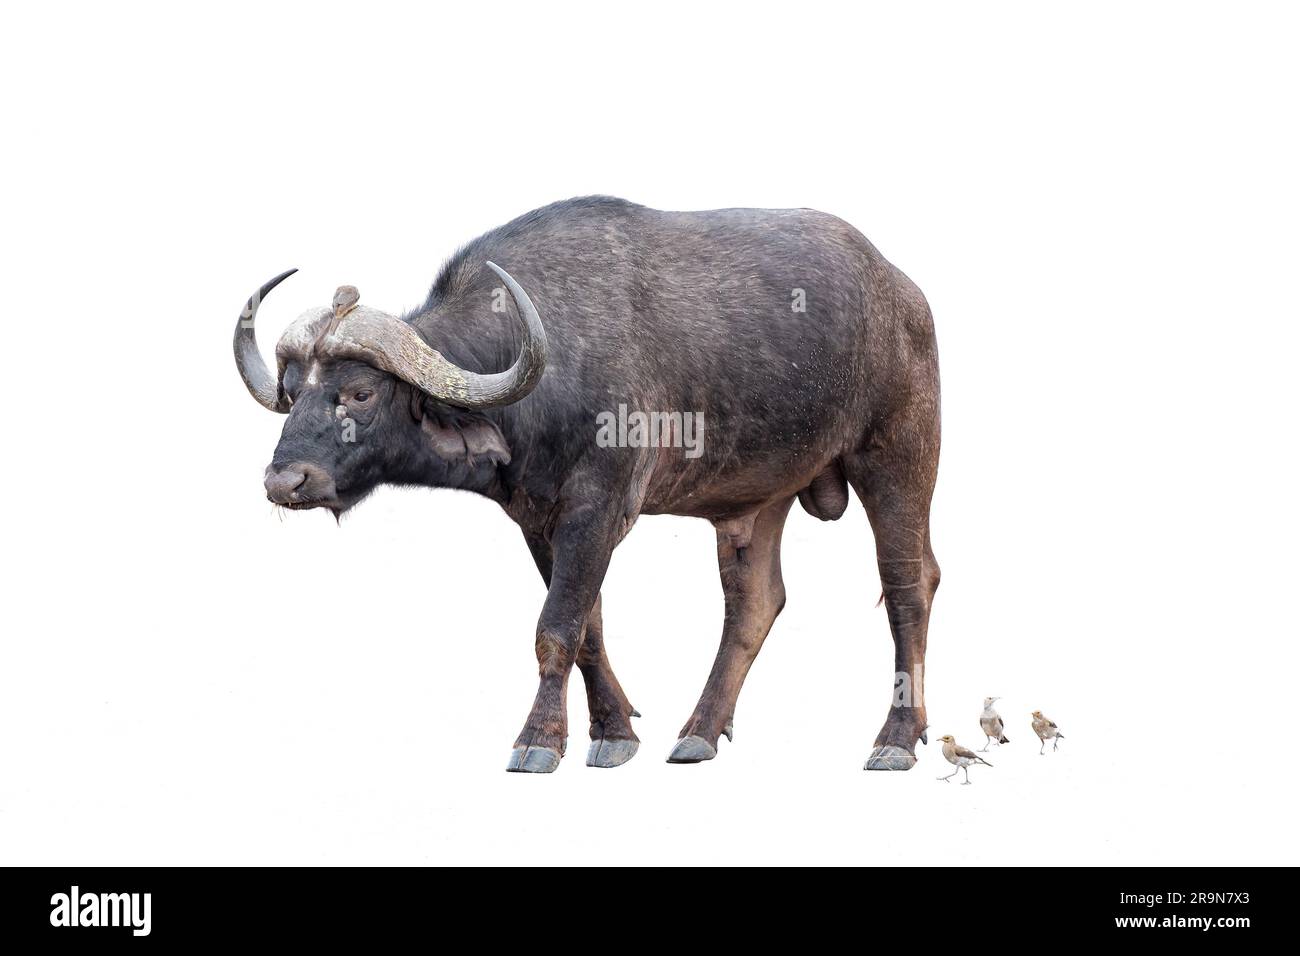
(370, 402)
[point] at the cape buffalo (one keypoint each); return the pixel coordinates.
(802, 362)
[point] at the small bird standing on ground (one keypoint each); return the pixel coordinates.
(1046, 731)
(960, 757)
(991, 724)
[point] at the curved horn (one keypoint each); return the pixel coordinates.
(262, 385)
(396, 347)
(521, 378)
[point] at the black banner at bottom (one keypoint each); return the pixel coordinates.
(133, 907)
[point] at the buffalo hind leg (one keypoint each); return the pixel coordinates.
(895, 488)
(613, 741)
(749, 563)
(581, 544)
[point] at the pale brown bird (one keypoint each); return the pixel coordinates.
(991, 724)
(346, 298)
(1046, 731)
(960, 757)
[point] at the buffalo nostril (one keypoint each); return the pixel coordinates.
(299, 483)
(282, 486)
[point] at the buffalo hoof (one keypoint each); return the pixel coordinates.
(611, 753)
(890, 757)
(533, 760)
(692, 749)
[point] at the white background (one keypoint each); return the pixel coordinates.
(1102, 209)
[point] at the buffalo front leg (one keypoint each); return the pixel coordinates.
(581, 543)
(896, 493)
(749, 563)
(613, 742)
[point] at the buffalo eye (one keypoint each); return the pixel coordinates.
(362, 396)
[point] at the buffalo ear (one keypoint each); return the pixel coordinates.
(484, 440)
(465, 437)
(446, 440)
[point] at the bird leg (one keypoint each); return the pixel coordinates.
(1041, 745)
(947, 778)
(985, 748)
(967, 773)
